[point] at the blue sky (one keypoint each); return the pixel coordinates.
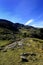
(28, 12)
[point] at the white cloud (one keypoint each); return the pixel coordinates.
(39, 25)
(28, 22)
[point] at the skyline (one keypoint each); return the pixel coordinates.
(28, 12)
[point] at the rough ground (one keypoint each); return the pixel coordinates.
(29, 48)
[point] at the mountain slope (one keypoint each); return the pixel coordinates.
(19, 43)
(16, 30)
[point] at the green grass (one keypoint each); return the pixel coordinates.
(12, 57)
(5, 42)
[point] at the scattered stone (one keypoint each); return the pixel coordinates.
(33, 54)
(24, 59)
(24, 54)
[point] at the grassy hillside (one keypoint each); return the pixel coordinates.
(17, 30)
(28, 45)
(17, 41)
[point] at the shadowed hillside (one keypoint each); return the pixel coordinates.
(18, 30)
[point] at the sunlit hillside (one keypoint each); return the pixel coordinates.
(20, 44)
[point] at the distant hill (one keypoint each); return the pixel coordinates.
(9, 30)
(7, 24)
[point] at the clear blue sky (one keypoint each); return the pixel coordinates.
(28, 12)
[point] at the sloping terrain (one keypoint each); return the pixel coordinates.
(19, 30)
(11, 54)
(20, 44)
